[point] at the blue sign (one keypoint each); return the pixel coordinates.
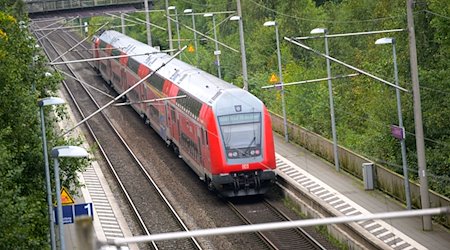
(71, 211)
(84, 209)
(67, 214)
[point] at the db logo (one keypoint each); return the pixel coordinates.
(245, 166)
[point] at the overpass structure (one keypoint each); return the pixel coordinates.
(37, 8)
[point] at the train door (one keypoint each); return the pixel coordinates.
(199, 156)
(205, 149)
(173, 124)
(108, 71)
(123, 77)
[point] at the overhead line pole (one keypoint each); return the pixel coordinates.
(424, 198)
(241, 40)
(169, 27)
(147, 23)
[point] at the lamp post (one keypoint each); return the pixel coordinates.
(241, 38)
(169, 27)
(191, 12)
(269, 24)
(330, 94)
(242, 45)
(177, 24)
(63, 151)
(147, 23)
(217, 51)
(389, 40)
(41, 103)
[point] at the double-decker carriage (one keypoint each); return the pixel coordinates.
(222, 132)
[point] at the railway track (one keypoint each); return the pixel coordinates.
(136, 183)
(141, 192)
(256, 211)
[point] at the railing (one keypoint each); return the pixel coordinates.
(35, 6)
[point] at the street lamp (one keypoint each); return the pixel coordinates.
(41, 103)
(269, 24)
(191, 12)
(389, 40)
(330, 93)
(177, 24)
(217, 51)
(63, 151)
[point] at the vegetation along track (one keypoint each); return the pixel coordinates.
(151, 208)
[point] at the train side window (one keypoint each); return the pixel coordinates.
(203, 136)
(206, 136)
(172, 110)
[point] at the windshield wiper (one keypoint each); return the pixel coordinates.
(249, 146)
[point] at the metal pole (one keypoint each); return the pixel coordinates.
(47, 182)
(330, 93)
(169, 28)
(241, 40)
(58, 200)
(400, 123)
(81, 25)
(147, 23)
(273, 226)
(286, 137)
(424, 196)
(122, 22)
(217, 51)
(195, 37)
(178, 29)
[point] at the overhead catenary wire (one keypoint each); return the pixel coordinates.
(126, 91)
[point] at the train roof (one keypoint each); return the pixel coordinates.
(190, 79)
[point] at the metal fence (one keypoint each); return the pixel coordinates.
(35, 6)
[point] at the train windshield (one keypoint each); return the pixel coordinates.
(241, 134)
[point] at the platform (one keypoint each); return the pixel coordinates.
(346, 194)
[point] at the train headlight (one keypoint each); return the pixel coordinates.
(230, 154)
(252, 152)
(257, 152)
(235, 154)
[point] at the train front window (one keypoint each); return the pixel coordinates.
(241, 134)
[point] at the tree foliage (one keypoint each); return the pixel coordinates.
(364, 107)
(23, 80)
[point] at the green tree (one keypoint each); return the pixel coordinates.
(23, 80)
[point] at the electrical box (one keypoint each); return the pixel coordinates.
(368, 175)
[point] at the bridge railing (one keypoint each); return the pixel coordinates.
(35, 6)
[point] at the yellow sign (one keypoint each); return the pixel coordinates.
(273, 78)
(66, 198)
(191, 48)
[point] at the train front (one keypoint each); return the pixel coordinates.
(247, 156)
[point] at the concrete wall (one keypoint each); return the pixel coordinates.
(385, 179)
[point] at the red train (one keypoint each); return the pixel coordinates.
(222, 132)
